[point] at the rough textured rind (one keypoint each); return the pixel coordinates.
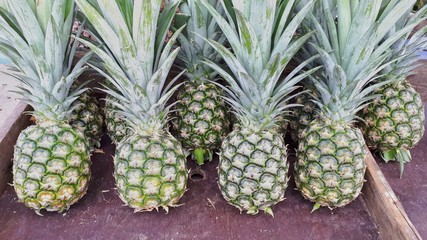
(51, 167)
(394, 120)
(201, 119)
(117, 128)
(87, 117)
(331, 163)
(300, 117)
(150, 171)
(253, 170)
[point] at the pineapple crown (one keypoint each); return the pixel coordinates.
(405, 51)
(261, 35)
(36, 39)
(349, 39)
(200, 25)
(136, 58)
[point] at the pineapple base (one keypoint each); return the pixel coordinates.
(253, 170)
(51, 167)
(331, 163)
(150, 171)
(201, 120)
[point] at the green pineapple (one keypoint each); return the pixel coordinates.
(149, 163)
(331, 163)
(117, 128)
(301, 116)
(253, 168)
(201, 120)
(330, 167)
(394, 121)
(51, 164)
(87, 117)
(51, 168)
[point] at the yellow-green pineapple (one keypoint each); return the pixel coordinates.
(394, 121)
(116, 125)
(87, 117)
(253, 168)
(201, 120)
(301, 116)
(51, 164)
(330, 167)
(149, 163)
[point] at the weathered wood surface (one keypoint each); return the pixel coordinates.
(384, 206)
(11, 123)
(9, 132)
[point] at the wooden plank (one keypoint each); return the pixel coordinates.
(9, 132)
(11, 122)
(384, 206)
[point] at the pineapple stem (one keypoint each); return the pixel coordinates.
(199, 155)
(402, 156)
(269, 211)
(388, 155)
(316, 206)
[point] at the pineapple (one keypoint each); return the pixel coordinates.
(87, 117)
(117, 128)
(201, 120)
(149, 163)
(394, 121)
(330, 167)
(300, 117)
(253, 167)
(51, 164)
(306, 110)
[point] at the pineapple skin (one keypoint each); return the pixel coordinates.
(150, 171)
(51, 167)
(331, 165)
(253, 170)
(201, 116)
(117, 128)
(395, 119)
(300, 117)
(87, 117)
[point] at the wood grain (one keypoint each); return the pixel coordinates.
(9, 132)
(384, 206)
